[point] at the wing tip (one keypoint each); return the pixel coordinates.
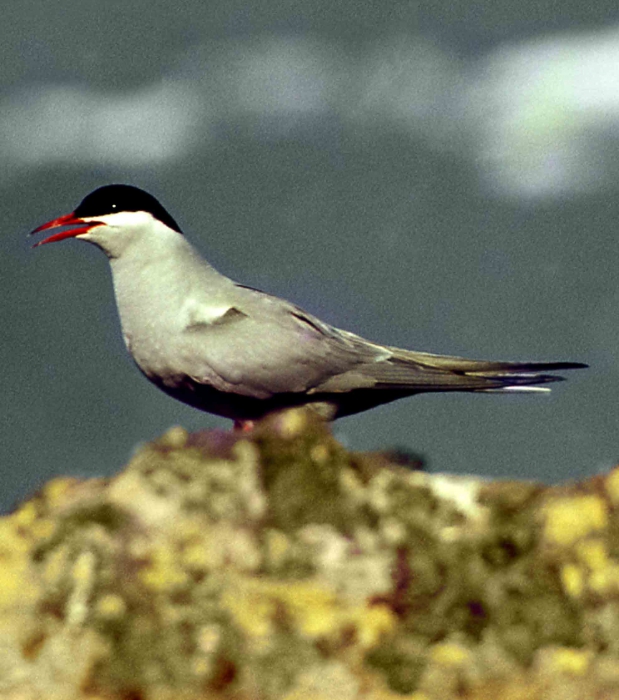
(567, 365)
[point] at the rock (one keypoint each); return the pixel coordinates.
(275, 564)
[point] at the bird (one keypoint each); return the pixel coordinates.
(238, 352)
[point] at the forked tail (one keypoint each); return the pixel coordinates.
(427, 372)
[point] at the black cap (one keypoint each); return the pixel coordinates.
(111, 199)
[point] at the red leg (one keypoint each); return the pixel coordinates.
(244, 426)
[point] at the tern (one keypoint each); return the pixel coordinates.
(241, 353)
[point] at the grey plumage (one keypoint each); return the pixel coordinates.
(239, 352)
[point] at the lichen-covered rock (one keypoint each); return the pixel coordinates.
(277, 565)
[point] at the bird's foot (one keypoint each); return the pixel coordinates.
(244, 426)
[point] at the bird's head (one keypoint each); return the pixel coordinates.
(112, 217)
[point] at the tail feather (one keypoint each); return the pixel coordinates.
(463, 364)
(421, 372)
(518, 389)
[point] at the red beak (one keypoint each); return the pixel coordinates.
(65, 220)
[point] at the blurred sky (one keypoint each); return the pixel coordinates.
(441, 176)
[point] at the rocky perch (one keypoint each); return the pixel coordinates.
(276, 564)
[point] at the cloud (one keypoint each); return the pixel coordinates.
(68, 124)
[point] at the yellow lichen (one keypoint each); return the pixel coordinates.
(27, 519)
(83, 567)
(26, 515)
(196, 557)
(16, 584)
(319, 453)
(313, 607)
(250, 610)
(393, 531)
(55, 566)
(605, 580)
(11, 541)
(111, 606)
(569, 519)
(450, 654)
(163, 571)
(314, 610)
(277, 547)
(574, 662)
(175, 437)
(56, 489)
(201, 667)
(292, 423)
(593, 553)
(208, 638)
(372, 623)
(599, 581)
(573, 580)
(42, 528)
(351, 483)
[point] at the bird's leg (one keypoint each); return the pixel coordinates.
(243, 426)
